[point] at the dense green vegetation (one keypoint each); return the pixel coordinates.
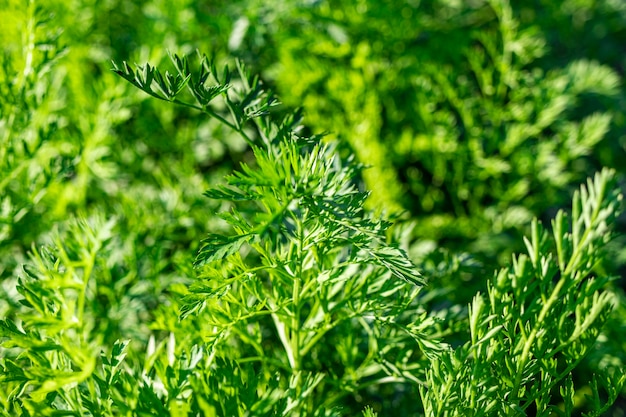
(221, 256)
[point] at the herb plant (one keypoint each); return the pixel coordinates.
(539, 318)
(316, 264)
(307, 301)
(460, 109)
(302, 300)
(30, 120)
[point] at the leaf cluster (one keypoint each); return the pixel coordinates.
(538, 320)
(315, 260)
(300, 300)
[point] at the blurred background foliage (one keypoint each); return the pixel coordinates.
(472, 117)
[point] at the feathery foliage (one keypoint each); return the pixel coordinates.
(124, 290)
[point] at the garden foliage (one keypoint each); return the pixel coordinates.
(432, 254)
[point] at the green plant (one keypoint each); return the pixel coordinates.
(465, 119)
(31, 119)
(539, 319)
(303, 303)
(316, 264)
(529, 327)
